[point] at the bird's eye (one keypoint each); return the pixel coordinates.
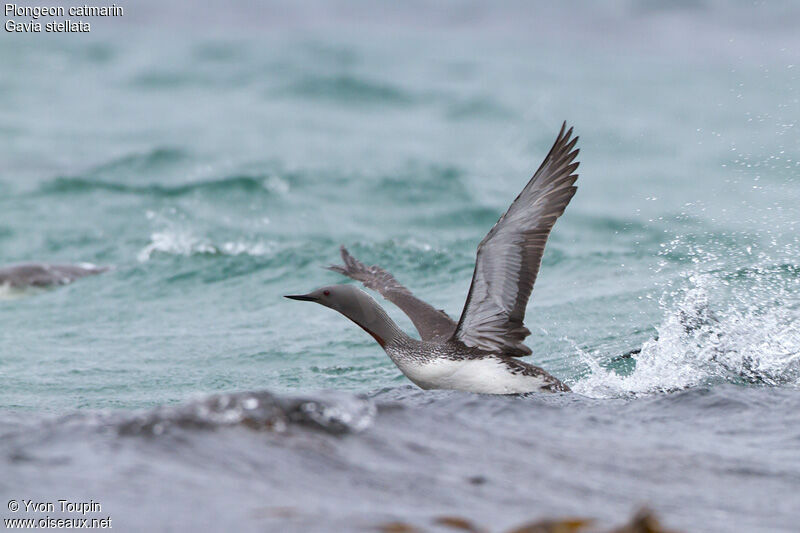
(326, 293)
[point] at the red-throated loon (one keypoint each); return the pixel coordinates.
(480, 352)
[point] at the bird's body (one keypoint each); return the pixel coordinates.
(450, 365)
(479, 353)
(24, 275)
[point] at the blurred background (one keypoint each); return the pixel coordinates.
(218, 153)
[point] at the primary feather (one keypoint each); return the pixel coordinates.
(509, 256)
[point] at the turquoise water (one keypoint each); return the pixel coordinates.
(218, 175)
(218, 170)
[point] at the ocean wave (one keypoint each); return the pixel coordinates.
(120, 172)
(423, 184)
(333, 449)
(156, 158)
(346, 88)
(239, 183)
(332, 412)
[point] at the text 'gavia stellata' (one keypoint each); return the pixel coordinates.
(480, 352)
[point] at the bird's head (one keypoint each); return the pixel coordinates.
(347, 299)
(355, 304)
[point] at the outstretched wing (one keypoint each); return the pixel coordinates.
(510, 254)
(432, 324)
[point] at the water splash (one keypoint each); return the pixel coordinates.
(740, 328)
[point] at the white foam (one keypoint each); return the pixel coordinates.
(175, 242)
(750, 340)
(183, 242)
(732, 315)
(245, 248)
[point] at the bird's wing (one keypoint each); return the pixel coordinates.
(510, 254)
(433, 324)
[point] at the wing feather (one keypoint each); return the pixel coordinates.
(509, 256)
(433, 324)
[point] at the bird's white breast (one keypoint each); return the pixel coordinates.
(487, 376)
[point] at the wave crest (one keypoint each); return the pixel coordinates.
(242, 183)
(185, 243)
(335, 413)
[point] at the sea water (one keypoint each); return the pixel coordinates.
(218, 156)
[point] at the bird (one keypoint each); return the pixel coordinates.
(22, 275)
(481, 352)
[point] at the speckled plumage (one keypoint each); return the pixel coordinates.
(408, 353)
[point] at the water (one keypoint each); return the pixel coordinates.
(218, 157)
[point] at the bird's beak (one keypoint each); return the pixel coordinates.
(301, 297)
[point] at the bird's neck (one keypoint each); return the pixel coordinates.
(372, 318)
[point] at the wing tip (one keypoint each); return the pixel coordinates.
(351, 268)
(563, 145)
(351, 262)
(565, 132)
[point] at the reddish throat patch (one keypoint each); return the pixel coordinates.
(380, 341)
(377, 338)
